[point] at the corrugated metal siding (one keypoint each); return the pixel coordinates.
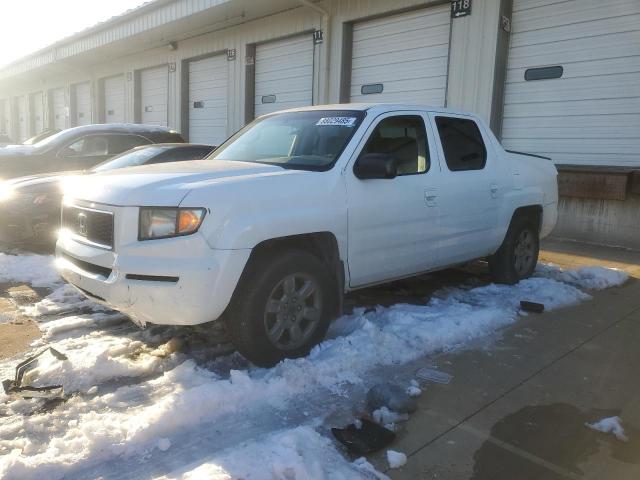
(59, 106)
(37, 107)
(591, 115)
(154, 95)
(208, 94)
(114, 99)
(406, 53)
(83, 110)
(284, 73)
(23, 120)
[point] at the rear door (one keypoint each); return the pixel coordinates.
(393, 225)
(470, 192)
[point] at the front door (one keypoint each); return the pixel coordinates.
(393, 223)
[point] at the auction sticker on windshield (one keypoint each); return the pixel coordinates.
(340, 121)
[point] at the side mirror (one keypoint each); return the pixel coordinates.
(375, 166)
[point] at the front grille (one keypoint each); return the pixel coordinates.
(95, 226)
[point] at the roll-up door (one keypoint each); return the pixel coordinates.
(83, 104)
(402, 58)
(573, 81)
(114, 99)
(154, 94)
(59, 108)
(23, 126)
(284, 74)
(208, 80)
(4, 117)
(37, 109)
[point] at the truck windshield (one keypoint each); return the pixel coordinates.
(307, 140)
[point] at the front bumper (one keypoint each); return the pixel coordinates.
(176, 281)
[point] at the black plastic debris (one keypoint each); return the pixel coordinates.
(368, 438)
(15, 387)
(531, 306)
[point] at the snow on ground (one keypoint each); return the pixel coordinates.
(139, 406)
(609, 425)
(396, 459)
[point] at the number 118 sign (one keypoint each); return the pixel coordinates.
(460, 8)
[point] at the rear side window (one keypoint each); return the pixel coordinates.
(122, 143)
(462, 144)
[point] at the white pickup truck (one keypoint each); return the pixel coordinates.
(297, 208)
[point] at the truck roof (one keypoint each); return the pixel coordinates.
(379, 108)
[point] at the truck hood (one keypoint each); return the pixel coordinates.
(163, 184)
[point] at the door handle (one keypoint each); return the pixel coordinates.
(494, 190)
(430, 196)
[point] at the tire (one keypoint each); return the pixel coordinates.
(263, 314)
(517, 257)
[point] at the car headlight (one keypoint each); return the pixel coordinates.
(163, 222)
(6, 192)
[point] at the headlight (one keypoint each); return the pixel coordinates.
(6, 192)
(162, 222)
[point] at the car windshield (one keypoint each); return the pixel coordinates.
(130, 158)
(307, 140)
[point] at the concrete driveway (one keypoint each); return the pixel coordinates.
(518, 410)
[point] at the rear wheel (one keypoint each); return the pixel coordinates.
(282, 308)
(517, 257)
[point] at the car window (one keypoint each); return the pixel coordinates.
(122, 143)
(462, 144)
(181, 154)
(89, 146)
(405, 139)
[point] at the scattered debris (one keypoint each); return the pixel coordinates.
(15, 387)
(392, 396)
(609, 425)
(432, 375)
(414, 390)
(531, 306)
(385, 417)
(396, 459)
(368, 438)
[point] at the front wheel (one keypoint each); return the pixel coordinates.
(283, 307)
(517, 257)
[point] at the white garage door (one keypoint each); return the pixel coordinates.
(59, 107)
(590, 113)
(208, 80)
(284, 74)
(114, 99)
(83, 104)
(4, 116)
(37, 107)
(402, 58)
(23, 130)
(154, 93)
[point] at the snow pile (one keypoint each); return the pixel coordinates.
(592, 278)
(609, 425)
(396, 459)
(137, 396)
(298, 453)
(38, 270)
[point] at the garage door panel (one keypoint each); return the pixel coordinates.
(407, 53)
(284, 73)
(23, 129)
(114, 99)
(83, 104)
(37, 107)
(572, 12)
(564, 33)
(208, 88)
(598, 46)
(154, 96)
(59, 108)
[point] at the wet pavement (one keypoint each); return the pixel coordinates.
(519, 409)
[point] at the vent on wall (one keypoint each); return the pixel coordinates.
(543, 73)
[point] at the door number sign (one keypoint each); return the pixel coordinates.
(460, 8)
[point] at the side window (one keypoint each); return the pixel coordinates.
(180, 154)
(89, 146)
(405, 139)
(122, 143)
(462, 144)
